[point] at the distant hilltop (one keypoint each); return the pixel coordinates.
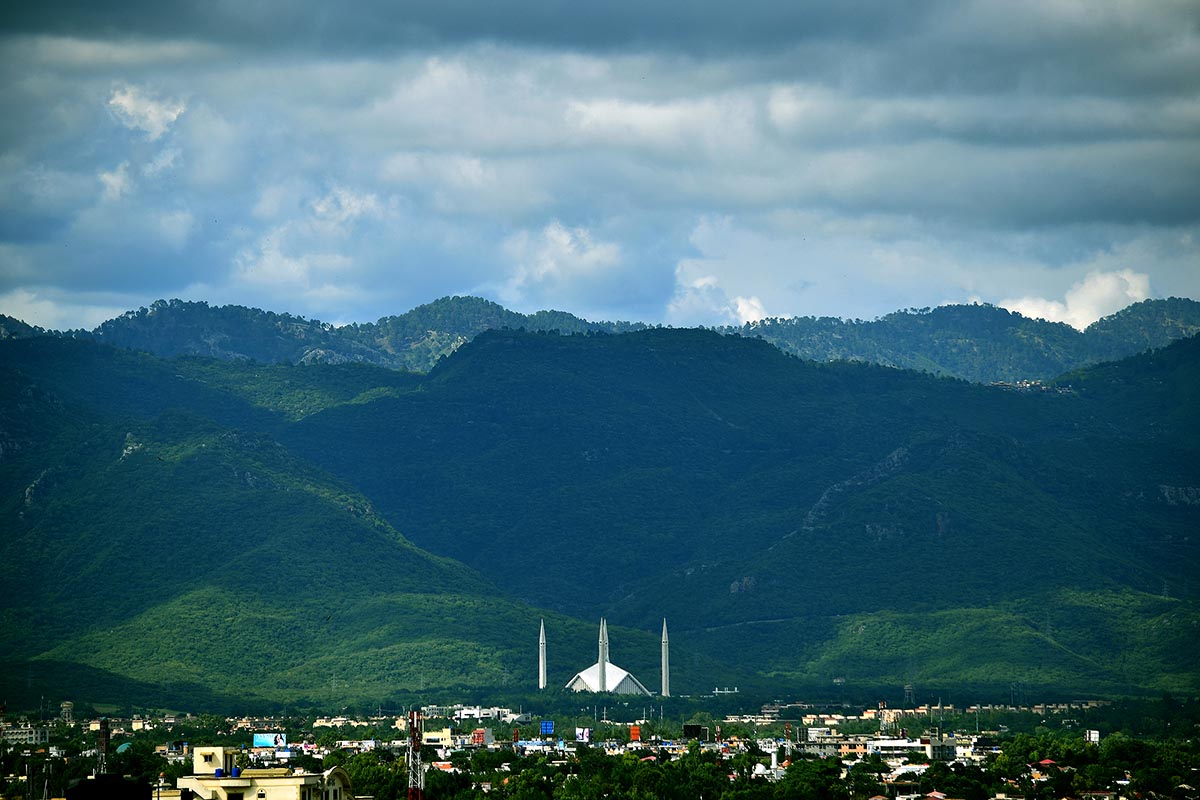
(978, 342)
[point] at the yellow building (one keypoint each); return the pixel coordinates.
(216, 778)
(442, 738)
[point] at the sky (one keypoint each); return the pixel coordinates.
(685, 163)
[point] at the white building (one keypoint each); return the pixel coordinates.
(24, 734)
(605, 676)
(217, 778)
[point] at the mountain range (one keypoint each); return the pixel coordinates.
(240, 528)
(979, 343)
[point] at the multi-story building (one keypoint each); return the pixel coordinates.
(217, 778)
(24, 734)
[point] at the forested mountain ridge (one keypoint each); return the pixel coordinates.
(980, 343)
(161, 544)
(712, 479)
(411, 341)
(11, 328)
(795, 521)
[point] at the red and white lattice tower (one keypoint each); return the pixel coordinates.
(412, 761)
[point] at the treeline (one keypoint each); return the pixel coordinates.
(1154, 768)
(981, 343)
(976, 342)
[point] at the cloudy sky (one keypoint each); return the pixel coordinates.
(681, 161)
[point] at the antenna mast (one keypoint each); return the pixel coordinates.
(412, 761)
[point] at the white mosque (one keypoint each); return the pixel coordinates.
(605, 676)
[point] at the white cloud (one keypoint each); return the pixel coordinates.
(554, 262)
(279, 200)
(749, 309)
(52, 311)
(117, 182)
(454, 183)
(846, 176)
(137, 110)
(1097, 295)
(800, 109)
(830, 264)
(310, 256)
(175, 228)
(265, 263)
(333, 214)
(216, 150)
(720, 127)
(77, 53)
(280, 263)
(699, 299)
(161, 163)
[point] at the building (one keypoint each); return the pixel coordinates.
(605, 676)
(438, 738)
(24, 734)
(505, 715)
(217, 778)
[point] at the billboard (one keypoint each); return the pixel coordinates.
(635, 733)
(270, 740)
(547, 727)
(583, 734)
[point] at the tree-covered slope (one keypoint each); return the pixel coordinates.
(146, 543)
(417, 339)
(719, 482)
(161, 546)
(414, 340)
(234, 528)
(1143, 326)
(980, 343)
(11, 328)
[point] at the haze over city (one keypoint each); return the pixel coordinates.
(684, 163)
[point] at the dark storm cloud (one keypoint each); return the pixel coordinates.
(952, 46)
(382, 26)
(669, 160)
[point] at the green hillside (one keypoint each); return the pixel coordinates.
(413, 341)
(228, 531)
(718, 482)
(162, 547)
(982, 343)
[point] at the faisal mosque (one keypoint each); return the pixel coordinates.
(605, 676)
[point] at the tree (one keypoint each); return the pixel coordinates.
(813, 779)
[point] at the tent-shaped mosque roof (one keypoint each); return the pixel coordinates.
(618, 680)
